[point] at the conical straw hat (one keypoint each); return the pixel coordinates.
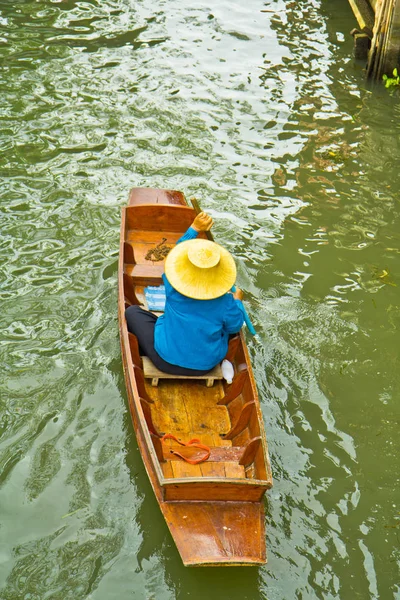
(200, 269)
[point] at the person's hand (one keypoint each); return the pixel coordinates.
(238, 294)
(203, 222)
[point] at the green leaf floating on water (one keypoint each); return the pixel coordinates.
(392, 81)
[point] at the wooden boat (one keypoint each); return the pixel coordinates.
(214, 509)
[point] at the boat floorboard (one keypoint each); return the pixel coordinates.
(173, 469)
(189, 410)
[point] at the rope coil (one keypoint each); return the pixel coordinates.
(159, 252)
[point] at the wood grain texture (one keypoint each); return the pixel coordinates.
(220, 454)
(149, 418)
(143, 241)
(149, 274)
(213, 489)
(214, 509)
(128, 290)
(232, 348)
(157, 447)
(236, 528)
(213, 469)
(242, 422)
(155, 196)
(140, 383)
(134, 348)
(250, 451)
(129, 257)
(151, 371)
(235, 387)
(189, 409)
(159, 218)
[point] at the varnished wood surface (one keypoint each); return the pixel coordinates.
(160, 218)
(155, 196)
(151, 372)
(237, 473)
(237, 532)
(190, 410)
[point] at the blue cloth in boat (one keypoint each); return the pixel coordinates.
(155, 297)
(195, 333)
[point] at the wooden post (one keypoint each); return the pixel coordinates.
(362, 44)
(391, 59)
(364, 14)
(384, 55)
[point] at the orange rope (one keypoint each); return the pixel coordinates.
(195, 443)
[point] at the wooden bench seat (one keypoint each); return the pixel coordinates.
(143, 275)
(151, 372)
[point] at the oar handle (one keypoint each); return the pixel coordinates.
(210, 236)
(197, 210)
(247, 320)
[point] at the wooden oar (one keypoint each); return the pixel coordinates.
(198, 210)
(210, 236)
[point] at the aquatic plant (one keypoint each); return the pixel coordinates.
(391, 81)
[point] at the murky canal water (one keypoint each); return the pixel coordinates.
(257, 109)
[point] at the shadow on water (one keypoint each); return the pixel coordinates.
(149, 518)
(211, 583)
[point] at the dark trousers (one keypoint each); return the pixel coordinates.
(141, 323)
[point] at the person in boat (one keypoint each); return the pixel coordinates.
(201, 312)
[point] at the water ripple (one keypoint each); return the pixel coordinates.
(258, 112)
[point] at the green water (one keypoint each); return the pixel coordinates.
(259, 110)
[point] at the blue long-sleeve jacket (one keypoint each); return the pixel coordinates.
(194, 333)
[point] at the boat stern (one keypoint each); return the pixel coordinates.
(217, 534)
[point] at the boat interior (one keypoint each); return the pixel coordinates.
(225, 418)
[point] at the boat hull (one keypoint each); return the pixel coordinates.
(213, 522)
